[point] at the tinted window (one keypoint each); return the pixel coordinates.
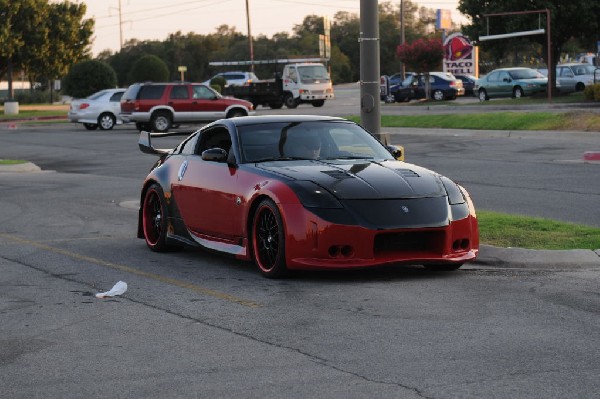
(151, 92)
(179, 92)
(116, 97)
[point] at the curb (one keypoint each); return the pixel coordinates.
(521, 258)
(25, 167)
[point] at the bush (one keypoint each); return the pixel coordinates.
(36, 97)
(217, 83)
(89, 77)
(149, 68)
(592, 92)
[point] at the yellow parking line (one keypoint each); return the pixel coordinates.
(127, 269)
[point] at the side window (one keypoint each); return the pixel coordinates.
(202, 92)
(179, 92)
(151, 92)
(116, 97)
(504, 76)
(292, 74)
(217, 137)
(188, 146)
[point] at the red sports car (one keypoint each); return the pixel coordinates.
(303, 192)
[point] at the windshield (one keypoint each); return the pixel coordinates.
(313, 74)
(525, 74)
(324, 140)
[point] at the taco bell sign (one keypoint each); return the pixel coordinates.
(460, 56)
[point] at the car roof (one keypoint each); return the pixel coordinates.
(250, 120)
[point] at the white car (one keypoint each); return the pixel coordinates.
(575, 76)
(236, 78)
(100, 110)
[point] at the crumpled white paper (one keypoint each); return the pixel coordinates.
(117, 289)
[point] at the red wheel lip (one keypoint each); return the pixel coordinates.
(255, 250)
(151, 241)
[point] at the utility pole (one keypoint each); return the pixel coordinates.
(369, 69)
(250, 46)
(120, 26)
(402, 38)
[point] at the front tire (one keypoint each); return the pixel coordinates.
(106, 121)
(155, 219)
(318, 103)
(268, 240)
(483, 95)
(234, 113)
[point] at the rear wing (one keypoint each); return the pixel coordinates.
(145, 142)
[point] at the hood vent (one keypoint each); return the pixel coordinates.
(406, 173)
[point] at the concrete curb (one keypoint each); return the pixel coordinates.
(540, 259)
(26, 167)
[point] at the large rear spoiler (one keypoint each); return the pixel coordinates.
(145, 142)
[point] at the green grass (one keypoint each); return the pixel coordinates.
(11, 161)
(35, 114)
(584, 121)
(503, 230)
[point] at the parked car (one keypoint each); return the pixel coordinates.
(511, 82)
(469, 82)
(100, 110)
(443, 86)
(235, 78)
(575, 76)
(303, 192)
(157, 106)
(394, 80)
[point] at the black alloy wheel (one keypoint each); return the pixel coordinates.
(268, 240)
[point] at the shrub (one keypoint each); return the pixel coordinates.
(218, 82)
(592, 92)
(149, 68)
(88, 77)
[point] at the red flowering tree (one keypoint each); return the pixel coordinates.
(422, 56)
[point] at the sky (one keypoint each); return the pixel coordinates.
(156, 19)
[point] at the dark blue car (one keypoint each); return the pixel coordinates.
(443, 86)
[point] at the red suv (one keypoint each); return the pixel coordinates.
(157, 106)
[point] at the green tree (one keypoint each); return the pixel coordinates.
(573, 19)
(149, 68)
(41, 38)
(88, 77)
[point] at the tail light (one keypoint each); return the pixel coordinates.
(84, 105)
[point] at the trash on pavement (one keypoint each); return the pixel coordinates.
(117, 289)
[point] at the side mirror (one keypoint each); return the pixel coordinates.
(397, 151)
(214, 155)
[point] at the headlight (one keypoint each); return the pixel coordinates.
(312, 195)
(454, 194)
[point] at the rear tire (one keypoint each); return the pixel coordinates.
(290, 101)
(268, 240)
(277, 105)
(518, 92)
(161, 121)
(106, 121)
(438, 95)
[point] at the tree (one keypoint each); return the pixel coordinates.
(423, 56)
(88, 77)
(572, 19)
(41, 38)
(149, 68)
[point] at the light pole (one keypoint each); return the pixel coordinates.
(251, 48)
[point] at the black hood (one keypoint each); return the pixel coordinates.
(363, 179)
